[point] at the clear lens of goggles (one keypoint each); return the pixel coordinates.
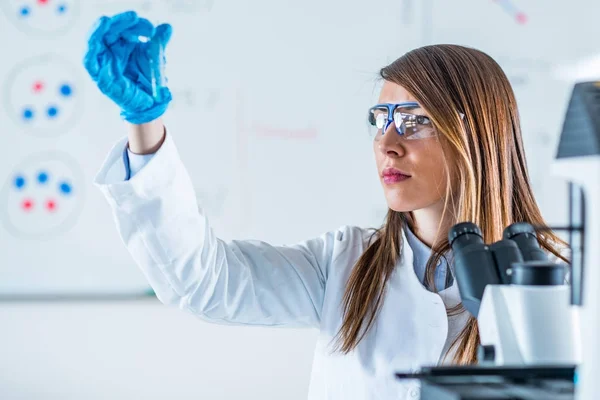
(407, 124)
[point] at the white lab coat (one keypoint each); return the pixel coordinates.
(254, 283)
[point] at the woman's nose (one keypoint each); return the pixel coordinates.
(390, 143)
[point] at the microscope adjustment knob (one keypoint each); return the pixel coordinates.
(486, 353)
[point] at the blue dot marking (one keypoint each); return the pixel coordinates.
(19, 182)
(24, 11)
(66, 90)
(52, 111)
(27, 113)
(62, 8)
(65, 188)
(42, 177)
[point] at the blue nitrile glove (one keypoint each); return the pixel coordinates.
(119, 63)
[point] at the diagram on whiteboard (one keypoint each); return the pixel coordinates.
(269, 129)
(41, 16)
(42, 96)
(42, 197)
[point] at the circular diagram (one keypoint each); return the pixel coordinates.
(43, 196)
(41, 16)
(42, 95)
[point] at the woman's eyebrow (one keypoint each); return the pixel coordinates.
(418, 110)
(418, 107)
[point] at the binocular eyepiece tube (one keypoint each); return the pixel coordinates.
(516, 259)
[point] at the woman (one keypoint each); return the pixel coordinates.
(448, 149)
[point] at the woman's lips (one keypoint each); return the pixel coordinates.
(393, 175)
(394, 178)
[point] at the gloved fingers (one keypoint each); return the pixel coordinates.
(98, 30)
(125, 92)
(121, 64)
(118, 24)
(117, 55)
(99, 56)
(106, 80)
(164, 95)
(142, 27)
(163, 33)
(106, 32)
(96, 46)
(147, 59)
(130, 44)
(90, 61)
(136, 96)
(139, 67)
(122, 59)
(94, 61)
(136, 99)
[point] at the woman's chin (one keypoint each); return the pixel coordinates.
(398, 201)
(408, 205)
(401, 207)
(404, 203)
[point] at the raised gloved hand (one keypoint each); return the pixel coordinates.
(122, 65)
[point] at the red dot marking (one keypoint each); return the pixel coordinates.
(38, 86)
(51, 205)
(521, 18)
(27, 205)
(42, 2)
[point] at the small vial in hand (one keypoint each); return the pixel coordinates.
(156, 56)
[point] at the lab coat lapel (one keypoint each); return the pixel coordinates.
(413, 326)
(409, 332)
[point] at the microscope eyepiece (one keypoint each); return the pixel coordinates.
(473, 264)
(525, 236)
(518, 228)
(510, 260)
(465, 233)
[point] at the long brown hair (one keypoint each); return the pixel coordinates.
(485, 160)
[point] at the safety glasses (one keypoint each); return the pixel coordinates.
(408, 124)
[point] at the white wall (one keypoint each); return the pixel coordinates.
(144, 350)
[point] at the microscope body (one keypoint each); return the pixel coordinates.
(527, 325)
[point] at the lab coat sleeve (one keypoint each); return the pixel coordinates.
(170, 239)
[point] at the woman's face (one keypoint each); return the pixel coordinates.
(411, 171)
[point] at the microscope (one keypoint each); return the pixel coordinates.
(540, 332)
(519, 297)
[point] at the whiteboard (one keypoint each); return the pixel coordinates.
(268, 116)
